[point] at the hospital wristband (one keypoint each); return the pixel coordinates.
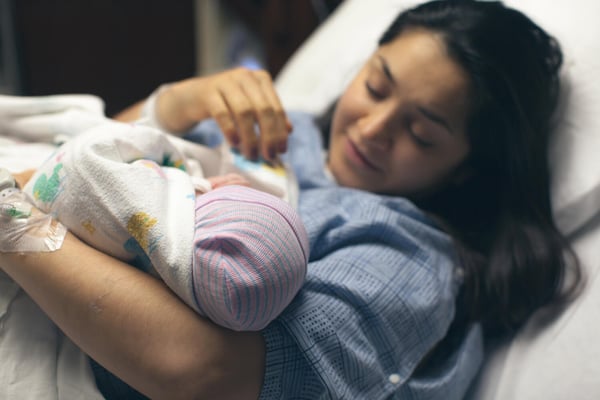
(148, 115)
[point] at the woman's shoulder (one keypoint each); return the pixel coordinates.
(359, 216)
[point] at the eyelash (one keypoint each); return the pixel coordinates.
(425, 144)
(419, 141)
(373, 93)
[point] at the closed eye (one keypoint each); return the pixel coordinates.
(418, 139)
(377, 95)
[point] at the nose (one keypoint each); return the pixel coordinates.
(375, 127)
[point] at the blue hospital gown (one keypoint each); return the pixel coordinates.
(380, 293)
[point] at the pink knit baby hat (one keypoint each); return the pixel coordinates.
(250, 256)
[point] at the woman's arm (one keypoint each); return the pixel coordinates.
(136, 327)
(131, 113)
(240, 100)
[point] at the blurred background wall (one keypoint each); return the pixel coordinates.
(121, 50)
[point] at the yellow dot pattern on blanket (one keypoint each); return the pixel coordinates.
(89, 226)
(139, 226)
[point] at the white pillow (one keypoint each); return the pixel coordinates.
(575, 148)
(319, 71)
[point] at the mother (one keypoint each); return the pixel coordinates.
(429, 220)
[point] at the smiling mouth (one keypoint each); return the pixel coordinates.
(359, 158)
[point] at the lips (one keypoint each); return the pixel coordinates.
(359, 158)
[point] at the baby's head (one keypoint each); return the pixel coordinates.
(251, 252)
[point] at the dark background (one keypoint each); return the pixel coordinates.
(121, 50)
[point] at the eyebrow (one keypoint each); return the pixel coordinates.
(430, 115)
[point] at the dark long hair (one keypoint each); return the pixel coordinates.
(513, 256)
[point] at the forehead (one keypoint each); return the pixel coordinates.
(419, 63)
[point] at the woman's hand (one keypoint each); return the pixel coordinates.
(241, 101)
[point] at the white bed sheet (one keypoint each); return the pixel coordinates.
(37, 361)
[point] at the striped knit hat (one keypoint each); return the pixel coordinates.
(250, 256)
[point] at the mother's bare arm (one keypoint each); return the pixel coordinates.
(136, 327)
(240, 100)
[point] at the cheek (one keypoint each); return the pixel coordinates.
(408, 170)
(350, 106)
(413, 172)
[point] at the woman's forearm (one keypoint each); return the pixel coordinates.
(243, 103)
(172, 104)
(131, 113)
(136, 327)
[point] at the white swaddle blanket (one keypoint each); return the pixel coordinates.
(99, 183)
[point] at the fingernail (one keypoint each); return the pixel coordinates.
(272, 153)
(282, 147)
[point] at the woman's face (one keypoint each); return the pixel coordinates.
(399, 128)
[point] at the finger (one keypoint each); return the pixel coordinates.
(273, 98)
(219, 111)
(272, 119)
(244, 115)
(267, 123)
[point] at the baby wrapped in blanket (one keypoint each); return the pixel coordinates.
(235, 254)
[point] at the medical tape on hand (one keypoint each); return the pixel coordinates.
(22, 229)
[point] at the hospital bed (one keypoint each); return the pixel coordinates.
(550, 362)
